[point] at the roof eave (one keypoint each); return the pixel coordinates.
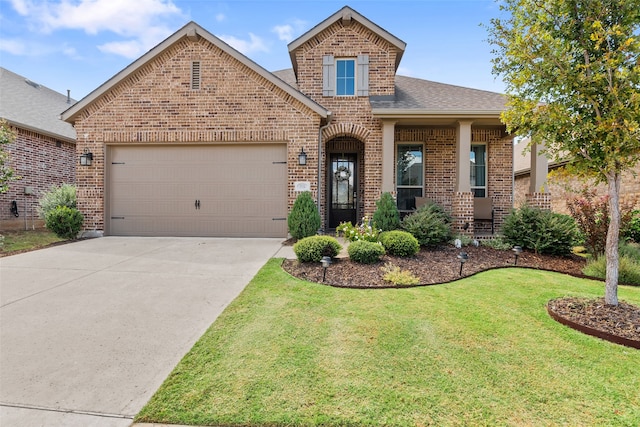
(191, 30)
(41, 131)
(390, 113)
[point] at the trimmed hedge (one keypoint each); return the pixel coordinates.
(65, 222)
(365, 252)
(313, 248)
(399, 243)
(304, 219)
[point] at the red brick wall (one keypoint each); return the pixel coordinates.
(157, 105)
(41, 161)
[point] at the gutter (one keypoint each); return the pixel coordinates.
(329, 118)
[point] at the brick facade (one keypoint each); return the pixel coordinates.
(41, 161)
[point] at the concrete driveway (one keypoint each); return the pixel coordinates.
(89, 330)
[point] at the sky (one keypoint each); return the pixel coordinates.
(78, 45)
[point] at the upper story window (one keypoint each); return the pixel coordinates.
(345, 76)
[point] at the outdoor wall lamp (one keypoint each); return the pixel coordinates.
(86, 158)
(302, 157)
(517, 250)
(326, 262)
(463, 257)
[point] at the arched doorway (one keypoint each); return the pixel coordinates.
(345, 173)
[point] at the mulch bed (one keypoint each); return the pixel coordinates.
(441, 265)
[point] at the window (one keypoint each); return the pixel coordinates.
(479, 170)
(345, 76)
(409, 175)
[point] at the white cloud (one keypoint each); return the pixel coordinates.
(14, 47)
(284, 32)
(141, 22)
(254, 44)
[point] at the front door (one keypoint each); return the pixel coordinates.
(343, 192)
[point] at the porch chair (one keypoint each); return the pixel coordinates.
(483, 210)
(421, 201)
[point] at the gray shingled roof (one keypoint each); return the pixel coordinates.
(426, 96)
(32, 106)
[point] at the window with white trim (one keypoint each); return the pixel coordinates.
(409, 175)
(345, 76)
(478, 170)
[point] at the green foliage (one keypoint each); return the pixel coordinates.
(632, 230)
(497, 243)
(64, 221)
(7, 174)
(313, 248)
(304, 219)
(386, 217)
(541, 230)
(464, 239)
(365, 252)
(363, 231)
(628, 270)
(62, 195)
(399, 243)
(399, 277)
(430, 224)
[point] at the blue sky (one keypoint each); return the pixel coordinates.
(80, 44)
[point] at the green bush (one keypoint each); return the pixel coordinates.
(363, 231)
(430, 224)
(399, 243)
(65, 222)
(386, 217)
(497, 243)
(63, 195)
(365, 252)
(632, 230)
(540, 230)
(628, 270)
(313, 248)
(304, 218)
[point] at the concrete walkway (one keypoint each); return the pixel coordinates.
(89, 330)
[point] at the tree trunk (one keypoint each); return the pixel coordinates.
(613, 236)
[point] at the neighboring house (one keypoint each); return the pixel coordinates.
(195, 139)
(562, 187)
(44, 152)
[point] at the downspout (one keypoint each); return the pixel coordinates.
(329, 118)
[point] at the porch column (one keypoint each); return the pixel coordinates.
(462, 206)
(388, 156)
(538, 194)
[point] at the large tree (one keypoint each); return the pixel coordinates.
(7, 174)
(572, 73)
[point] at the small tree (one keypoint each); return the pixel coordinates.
(304, 219)
(386, 217)
(7, 174)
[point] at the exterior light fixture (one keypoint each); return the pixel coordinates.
(302, 157)
(517, 250)
(86, 158)
(462, 257)
(326, 262)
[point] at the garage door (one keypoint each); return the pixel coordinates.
(199, 190)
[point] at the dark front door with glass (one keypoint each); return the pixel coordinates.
(343, 192)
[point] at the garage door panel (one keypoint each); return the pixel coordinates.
(241, 188)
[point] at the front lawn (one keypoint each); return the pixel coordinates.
(13, 242)
(479, 351)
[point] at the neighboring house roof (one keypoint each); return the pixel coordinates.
(418, 97)
(191, 31)
(31, 106)
(522, 158)
(346, 14)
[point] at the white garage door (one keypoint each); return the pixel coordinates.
(198, 190)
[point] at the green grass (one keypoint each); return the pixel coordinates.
(481, 351)
(15, 241)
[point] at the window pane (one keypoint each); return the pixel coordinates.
(409, 166)
(407, 198)
(478, 166)
(345, 77)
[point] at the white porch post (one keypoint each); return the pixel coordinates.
(388, 156)
(463, 157)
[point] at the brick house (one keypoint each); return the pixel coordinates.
(43, 153)
(562, 188)
(195, 139)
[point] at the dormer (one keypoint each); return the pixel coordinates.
(346, 55)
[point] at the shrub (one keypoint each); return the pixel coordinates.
(363, 231)
(304, 219)
(399, 243)
(365, 252)
(628, 270)
(632, 229)
(313, 248)
(430, 224)
(63, 195)
(497, 243)
(399, 277)
(64, 221)
(386, 217)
